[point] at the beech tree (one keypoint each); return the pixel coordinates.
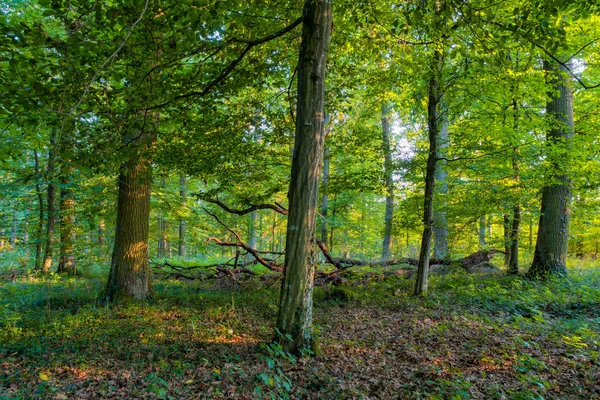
(553, 229)
(294, 318)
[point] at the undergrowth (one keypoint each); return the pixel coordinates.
(472, 336)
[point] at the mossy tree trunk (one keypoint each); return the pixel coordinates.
(553, 230)
(294, 318)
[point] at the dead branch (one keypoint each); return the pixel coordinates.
(275, 207)
(270, 264)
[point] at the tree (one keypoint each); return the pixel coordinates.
(433, 101)
(553, 229)
(294, 318)
(388, 173)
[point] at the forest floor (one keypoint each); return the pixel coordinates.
(473, 336)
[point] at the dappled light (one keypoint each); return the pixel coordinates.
(292, 199)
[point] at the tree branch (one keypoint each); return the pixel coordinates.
(232, 65)
(275, 207)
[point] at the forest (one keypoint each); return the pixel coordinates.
(288, 199)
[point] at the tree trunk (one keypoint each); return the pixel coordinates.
(51, 206)
(101, 229)
(129, 271)
(433, 129)
(253, 230)
(325, 201)
(506, 224)
(40, 224)
(553, 231)
(66, 262)
(13, 231)
(481, 233)
(388, 173)
(513, 264)
(440, 224)
(182, 222)
(294, 318)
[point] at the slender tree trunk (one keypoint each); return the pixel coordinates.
(51, 206)
(388, 172)
(506, 224)
(553, 231)
(129, 272)
(530, 234)
(182, 222)
(40, 224)
(325, 201)
(333, 212)
(440, 224)
(252, 231)
(481, 233)
(433, 129)
(13, 231)
(274, 233)
(101, 230)
(66, 262)
(513, 265)
(294, 319)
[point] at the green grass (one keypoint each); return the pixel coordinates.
(473, 336)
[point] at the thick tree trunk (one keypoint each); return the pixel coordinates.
(433, 129)
(325, 201)
(553, 231)
(129, 272)
(294, 319)
(440, 224)
(182, 222)
(66, 262)
(388, 173)
(51, 206)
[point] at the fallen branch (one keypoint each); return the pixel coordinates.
(270, 264)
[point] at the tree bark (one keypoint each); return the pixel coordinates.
(388, 175)
(51, 206)
(481, 234)
(440, 223)
(129, 272)
(13, 230)
(294, 318)
(433, 99)
(553, 230)
(182, 222)
(325, 201)
(253, 234)
(506, 225)
(40, 224)
(66, 261)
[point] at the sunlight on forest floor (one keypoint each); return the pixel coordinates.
(473, 337)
